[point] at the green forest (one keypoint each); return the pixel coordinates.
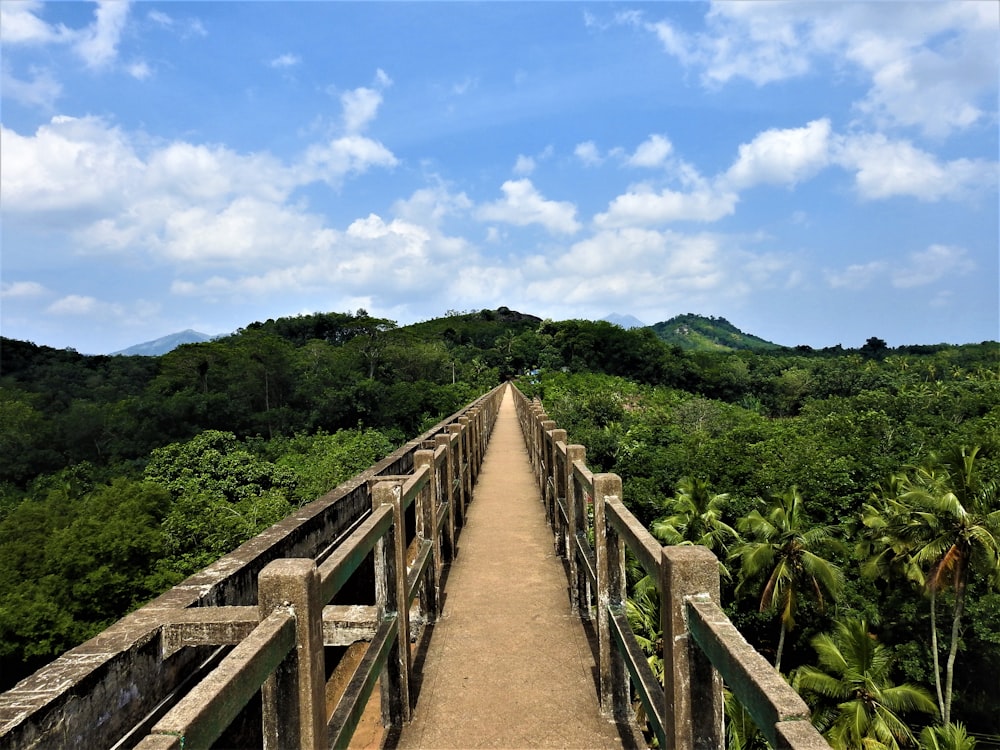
(851, 495)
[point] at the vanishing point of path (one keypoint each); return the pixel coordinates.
(508, 665)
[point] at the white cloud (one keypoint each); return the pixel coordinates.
(160, 18)
(97, 44)
(857, 276)
(287, 60)
(588, 153)
(929, 66)
(21, 289)
(431, 205)
(349, 155)
(83, 306)
(182, 202)
(652, 152)
(885, 168)
(21, 24)
(645, 207)
(781, 157)
(70, 163)
(40, 91)
(360, 107)
(919, 268)
(372, 258)
(139, 70)
(524, 165)
(930, 265)
(523, 205)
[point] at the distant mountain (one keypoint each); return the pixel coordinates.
(696, 332)
(165, 344)
(625, 321)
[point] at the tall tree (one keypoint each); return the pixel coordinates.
(784, 550)
(855, 673)
(939, 523)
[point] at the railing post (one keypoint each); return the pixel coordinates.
(426, 513)
(577, 525)
(548, 468)
(692, 688)
(559, 491)
(465, 463)
(610, 553)
(390, 596)
(448, 496)
(294, 701)
(458, 503)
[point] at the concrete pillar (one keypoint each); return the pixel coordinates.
(577, 512)
(447, 495)
(426, 512)
(390, 597)
(610, 553)
(294, 696)
(692, 687)
(559, 527)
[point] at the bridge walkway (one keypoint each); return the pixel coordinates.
(507, 665)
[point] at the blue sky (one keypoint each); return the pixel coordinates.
(817, 173)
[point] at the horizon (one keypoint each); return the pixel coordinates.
(223, 334)
(814, 174)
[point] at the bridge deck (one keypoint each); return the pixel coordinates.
(508, 665)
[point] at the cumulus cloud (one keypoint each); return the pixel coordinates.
(360, 105)
(781, 157)
(886, 168)
(180, 201)
(645, 207)
(523, 205)
(68, 164)
(378, 259)
(924, 63)
(588, 153)
(652, 152)
(432, 204)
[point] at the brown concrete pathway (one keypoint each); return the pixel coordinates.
(507, 665)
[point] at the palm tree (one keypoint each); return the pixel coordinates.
(695, 517)
(947, 737)
(786, 554)
(938, 523)
(854, 671)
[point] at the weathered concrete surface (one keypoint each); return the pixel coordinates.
(508, 665)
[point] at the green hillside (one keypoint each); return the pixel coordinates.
(698, 333)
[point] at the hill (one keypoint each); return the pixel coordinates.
(698, 333)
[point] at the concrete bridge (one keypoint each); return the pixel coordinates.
(452, 590)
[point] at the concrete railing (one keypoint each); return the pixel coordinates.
(702, 649)
(181, 671)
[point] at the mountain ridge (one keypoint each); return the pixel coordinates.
(164, 344)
